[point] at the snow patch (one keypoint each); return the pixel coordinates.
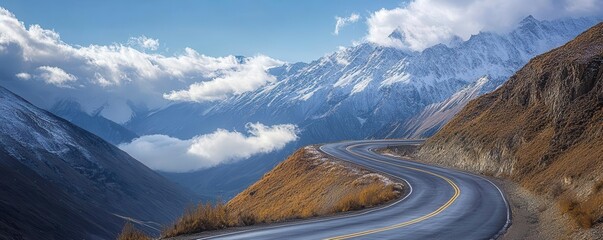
(361, 120)
(359, 87)
(398, 78)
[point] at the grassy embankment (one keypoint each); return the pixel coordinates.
(307, 184)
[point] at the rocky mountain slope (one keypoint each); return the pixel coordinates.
(360, 92)
(62, 182)
(543, 129)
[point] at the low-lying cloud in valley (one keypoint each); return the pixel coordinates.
(164, 153)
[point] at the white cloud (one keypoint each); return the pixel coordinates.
(342, 21)
(424, 23)
(244, 78)
(160, 152)
(55, 75)
(23, 76)
(144, 42)
(112, 75)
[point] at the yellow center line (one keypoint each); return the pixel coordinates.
(457, 192)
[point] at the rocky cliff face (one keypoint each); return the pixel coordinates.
(543, 128)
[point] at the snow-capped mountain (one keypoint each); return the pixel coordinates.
(365, 91)
(367, 87)
(59, 181)
(435, 115)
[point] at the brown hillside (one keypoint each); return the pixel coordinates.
(543, 129)
(307, 184)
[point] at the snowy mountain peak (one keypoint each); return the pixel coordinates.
(397, 34)
(529, 20)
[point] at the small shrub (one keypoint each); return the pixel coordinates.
(370, 195)
(246, 219)
(348, 203)
(583, 214)
(566, 204)
(129, 232)
(556, 190)
(598, 186)
(204, 217)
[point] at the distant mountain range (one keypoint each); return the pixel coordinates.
(364, 91)
(368, 88)
(59, 181)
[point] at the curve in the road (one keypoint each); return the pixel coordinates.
(457, 192)
(442, 204)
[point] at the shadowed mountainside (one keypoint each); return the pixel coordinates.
(59, 181)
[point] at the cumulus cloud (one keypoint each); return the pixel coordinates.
(342, 21)
(55, 75)
(144, 42)
(160, 152)
(114, 75)
(247, 77)
(424, 23)
(23, 76)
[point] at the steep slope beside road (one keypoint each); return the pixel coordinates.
(543, 129)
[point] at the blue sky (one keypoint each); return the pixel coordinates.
(287, 30)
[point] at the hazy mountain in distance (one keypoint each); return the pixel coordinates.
(94, 123)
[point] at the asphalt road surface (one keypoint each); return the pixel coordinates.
(441, 204)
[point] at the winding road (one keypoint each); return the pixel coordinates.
(440, 204)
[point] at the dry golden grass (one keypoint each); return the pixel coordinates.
(307, 184)
(368, 196)
(129, 232)
(204, 217)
